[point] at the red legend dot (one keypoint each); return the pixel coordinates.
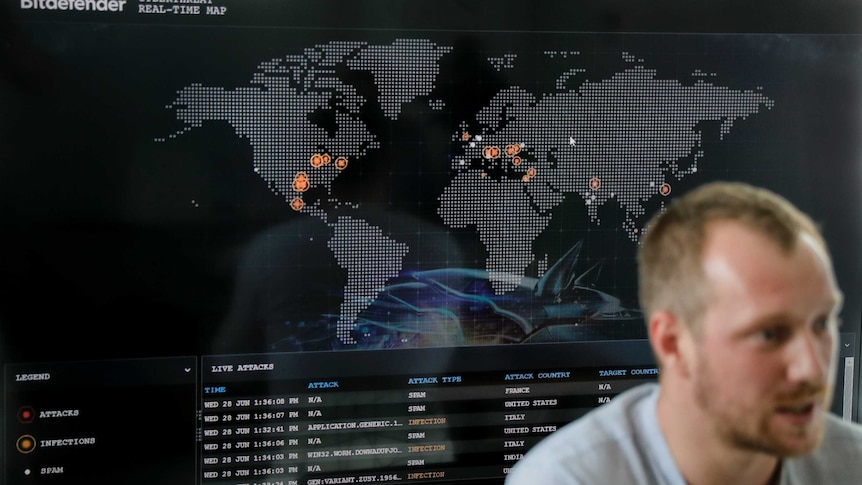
(26, 414)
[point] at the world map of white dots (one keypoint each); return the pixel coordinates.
(616, 139)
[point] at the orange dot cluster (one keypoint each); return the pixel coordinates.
(511, 151)
(301, 182)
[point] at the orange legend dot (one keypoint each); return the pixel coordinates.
(341, 163)
(26, 444)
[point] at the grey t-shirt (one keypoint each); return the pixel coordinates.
(621, 443)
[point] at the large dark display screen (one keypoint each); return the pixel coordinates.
(279, 242)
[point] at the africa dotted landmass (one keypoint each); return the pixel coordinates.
(616, 139)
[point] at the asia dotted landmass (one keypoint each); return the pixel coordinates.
(615, 139)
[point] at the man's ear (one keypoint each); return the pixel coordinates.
(671, 340)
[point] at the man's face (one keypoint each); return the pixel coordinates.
(763, 360)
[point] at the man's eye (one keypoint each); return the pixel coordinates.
(772, 334)
(768, 334)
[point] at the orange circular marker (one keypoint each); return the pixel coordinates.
(326, 158)
(26, 443)
(531, 172)
(595, 183)
(341, 163)
(465, 136)
(297, 204)
(317, 160)
(525, 178)
(300, 182)
(513, 149)
(516, 161)
(491, 152)
(664, 189)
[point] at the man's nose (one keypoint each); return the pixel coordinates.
(809, 358)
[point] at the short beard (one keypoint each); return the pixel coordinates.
(757, 437)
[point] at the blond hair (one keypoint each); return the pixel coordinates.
(670, 271)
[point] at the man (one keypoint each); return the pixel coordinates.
(741, 304)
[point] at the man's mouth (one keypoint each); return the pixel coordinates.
(798, 409)
(799, 413)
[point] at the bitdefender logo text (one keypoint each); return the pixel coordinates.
(81, 5)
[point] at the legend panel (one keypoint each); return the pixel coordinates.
(117, 421)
